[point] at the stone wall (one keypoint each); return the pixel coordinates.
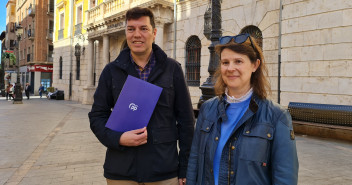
(316, 52)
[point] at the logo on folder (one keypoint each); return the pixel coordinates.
(133, 106)
(134, 109)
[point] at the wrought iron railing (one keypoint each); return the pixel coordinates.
(30, 33)
(49, 35)
(61, 34)
(321, 113)
(31, 10)
(78, 29)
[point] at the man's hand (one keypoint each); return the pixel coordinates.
(182, 181)
(134, 137)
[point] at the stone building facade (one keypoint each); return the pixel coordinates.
(311, 38)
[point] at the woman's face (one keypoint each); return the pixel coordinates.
(236, 71)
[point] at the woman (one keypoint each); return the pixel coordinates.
(241, 137)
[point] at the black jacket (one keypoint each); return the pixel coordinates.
(172, 120)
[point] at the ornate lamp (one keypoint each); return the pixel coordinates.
(207, 23)
(18, 89)
(77, 50)
(214, 22)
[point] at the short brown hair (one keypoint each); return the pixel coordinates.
(259, 81)
(138, 12)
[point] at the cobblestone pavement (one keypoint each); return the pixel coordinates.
(49, 142)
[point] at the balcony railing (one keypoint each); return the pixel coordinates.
(31, 10)
(50, 57)
(61, 34)
(49, 35)
(30, 34)
(119, 7)
(78, 29)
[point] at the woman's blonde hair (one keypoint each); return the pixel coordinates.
(259, 81)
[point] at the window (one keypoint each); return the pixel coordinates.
(12, 44)
(78, 67)
(50, 53)
(61, 26)
(12, 27)
(193, 49)
(60, 70)
(13, 10)
(79, 15)
(62, 21)
(92, 3)
(255, 33)
(51, 6)
(51, 26)
(78, 26)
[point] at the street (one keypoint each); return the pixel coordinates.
(49, 142)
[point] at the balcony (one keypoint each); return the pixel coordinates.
(61, 34)
(78, 29)
(49, 35)
(50, 57)
(30, 34)
(31, 10)
(115, 9)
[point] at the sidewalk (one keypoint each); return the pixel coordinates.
(49, 142)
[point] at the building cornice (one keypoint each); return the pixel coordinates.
(61, 4)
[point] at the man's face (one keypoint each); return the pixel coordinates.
(140, 36)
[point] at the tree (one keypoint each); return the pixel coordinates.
(11, 56)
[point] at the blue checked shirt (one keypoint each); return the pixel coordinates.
(144, 72)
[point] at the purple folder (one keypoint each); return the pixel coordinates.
(135, 105)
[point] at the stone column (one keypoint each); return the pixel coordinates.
(159, 39)
(106, 50)
(89, 89)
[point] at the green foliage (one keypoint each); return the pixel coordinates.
(12, 59)
(11, 56)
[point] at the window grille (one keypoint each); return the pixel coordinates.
(60, 72)
(193, 53)
(255, 33)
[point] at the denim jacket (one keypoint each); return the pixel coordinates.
(261, 149)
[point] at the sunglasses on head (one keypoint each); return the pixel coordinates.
(239, 39)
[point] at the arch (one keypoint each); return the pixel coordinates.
(255, 32)
(193, 53)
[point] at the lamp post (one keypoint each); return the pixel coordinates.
(18, 90)
(212, 30)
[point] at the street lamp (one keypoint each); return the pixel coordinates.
(18, 90)
(212, 20)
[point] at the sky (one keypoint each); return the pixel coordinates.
(2, 17)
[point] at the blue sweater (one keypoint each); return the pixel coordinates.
(234, 113)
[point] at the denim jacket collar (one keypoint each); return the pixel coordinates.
(253, 108)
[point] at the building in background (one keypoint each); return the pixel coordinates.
(36, 17)
(310, 39)
(70, 43)
(9, 44)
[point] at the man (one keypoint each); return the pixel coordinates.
(41, 90)
(148, 155)
(27, 90)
